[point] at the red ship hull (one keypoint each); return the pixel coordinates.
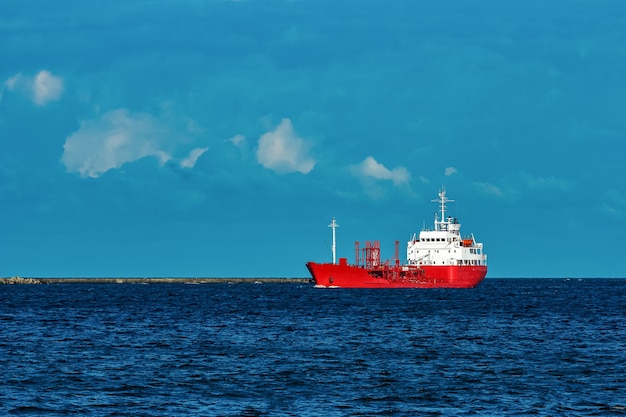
(426, 276)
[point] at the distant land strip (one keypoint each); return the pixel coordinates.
(153, 280)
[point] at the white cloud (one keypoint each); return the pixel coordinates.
(524, 185)
(283, 152)
(190, 160)
(489, 188)
(614, 203)
(42, 88)
(114, 139)
(450, 171)
(370, 168)
(239, 141)
(12, 83)
(46, 87)
(535, 182)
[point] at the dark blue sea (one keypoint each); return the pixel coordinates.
(536, 347)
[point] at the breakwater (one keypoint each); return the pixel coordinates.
(153, 280)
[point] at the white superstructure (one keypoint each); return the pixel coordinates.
(444, 245)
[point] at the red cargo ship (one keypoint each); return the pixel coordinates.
(437, 258)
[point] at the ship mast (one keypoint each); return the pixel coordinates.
(334, 226)
(442, 225)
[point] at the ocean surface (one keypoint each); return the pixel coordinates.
(536, 347)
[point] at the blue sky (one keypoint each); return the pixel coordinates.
(219, 138)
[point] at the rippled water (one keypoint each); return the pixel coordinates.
(508, 347)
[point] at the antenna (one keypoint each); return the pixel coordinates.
(333, 224)
(441, 200)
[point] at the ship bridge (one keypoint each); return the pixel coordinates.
(444, 244)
